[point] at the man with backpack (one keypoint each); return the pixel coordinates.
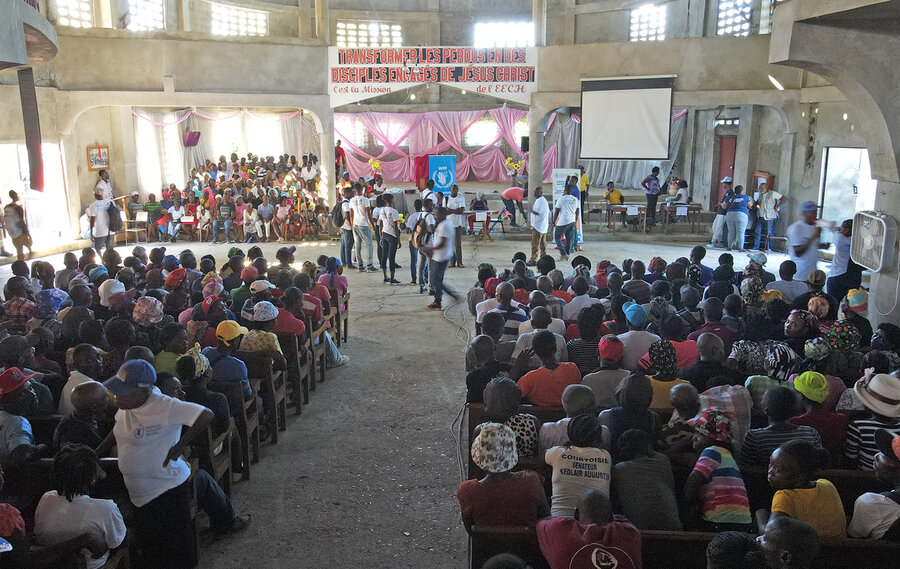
(105, 220)
(422, 237)
(340, 217)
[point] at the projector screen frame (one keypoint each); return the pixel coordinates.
(626, 83)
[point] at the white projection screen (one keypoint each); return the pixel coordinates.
(626, 118)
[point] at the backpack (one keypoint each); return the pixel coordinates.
(115, 218)
(420, 232)
(337, 214)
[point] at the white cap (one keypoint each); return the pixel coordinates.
(136, 193)
(726, 180)
(259, 286)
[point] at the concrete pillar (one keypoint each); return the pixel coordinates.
(184, 15)
(326, 154)
(323, 25)
(32, 122)
(747, 145)
(71, 156)
(535, 151)
(539, 17)
(687, 165)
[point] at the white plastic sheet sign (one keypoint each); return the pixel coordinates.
(681, 210)
(480, 216)
(631, 210)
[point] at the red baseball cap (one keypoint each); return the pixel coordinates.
(208, 303)
(12, 379)
(611, 348)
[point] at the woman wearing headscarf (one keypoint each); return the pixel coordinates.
(818, 307)
(819, 358)
(571, 479)
(334, 276)
(663, 361)
(799, 327)
(501, 405)
(520, 493)
(854, 309)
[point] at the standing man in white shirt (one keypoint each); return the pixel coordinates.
(768, 204)
(803, 241)
(98, 215)
(346, 229)
(103, 187)
(440, 253)
(564, 216)
(361, 221)
(456, 205)
(540, 223)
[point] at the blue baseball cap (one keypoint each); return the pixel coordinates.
(132, 375)
(635, 313)
(726, 180)
(809, 206)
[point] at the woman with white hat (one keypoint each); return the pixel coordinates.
(880, 394)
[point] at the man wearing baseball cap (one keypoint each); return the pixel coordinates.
(148, 434)
(240, 294)
(605, 380)
(720, 232)
(803, 241)
(226, 367)
(637, 340)
(876, 515)
(17, 399)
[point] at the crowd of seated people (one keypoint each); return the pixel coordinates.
(676, 385)
(243, 199)
(120, 356)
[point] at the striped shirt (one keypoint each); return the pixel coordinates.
(759, 444)
(584, 354)
(555, 306)
(860, 446)
(514, 317)
(723, 496)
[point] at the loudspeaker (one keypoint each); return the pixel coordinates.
(524, 144)
(191, 138)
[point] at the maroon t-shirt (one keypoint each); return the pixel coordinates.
(522, 496)
(566, 544)
(832, 429)
(721, 330)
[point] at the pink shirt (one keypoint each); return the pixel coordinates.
(514, 193)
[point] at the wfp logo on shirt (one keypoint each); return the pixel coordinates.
(142, 431)
(598, 556)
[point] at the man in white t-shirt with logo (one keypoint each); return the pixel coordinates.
(456, 205)
(440, 251)
(564, 216)
(103, 187)
(98, 216)
(540, 223)
(346, 230)
(361, 221)
(803, 241)
(428, 193)
(148, 434)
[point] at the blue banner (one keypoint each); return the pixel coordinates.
(442, 169)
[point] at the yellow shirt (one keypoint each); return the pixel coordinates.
(661, 392)
(820, 507)
(614, 197)
(583, 183)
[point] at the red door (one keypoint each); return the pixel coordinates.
(727, 145)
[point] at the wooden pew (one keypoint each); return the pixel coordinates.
(272, 383)
(660, 548)
(343, 320)
(246, 420)
(299, 358)
(214, 453)
(43, 427)
(317, 345)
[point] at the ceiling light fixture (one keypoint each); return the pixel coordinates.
(775, 82)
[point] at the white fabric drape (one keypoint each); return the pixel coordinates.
(163, 159)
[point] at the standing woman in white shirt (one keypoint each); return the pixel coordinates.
(564, 217)
(251, 220)
(69, 511)
(540, 222)
(389, 224)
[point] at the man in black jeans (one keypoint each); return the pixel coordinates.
(652, 188)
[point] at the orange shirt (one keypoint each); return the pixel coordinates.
(563, 295)
(544, 387)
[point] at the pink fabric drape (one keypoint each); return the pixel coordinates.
(433, 133)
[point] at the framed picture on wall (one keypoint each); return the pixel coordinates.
(98, 157)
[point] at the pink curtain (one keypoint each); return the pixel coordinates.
(433, 133)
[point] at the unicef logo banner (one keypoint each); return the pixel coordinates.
(442, 169)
